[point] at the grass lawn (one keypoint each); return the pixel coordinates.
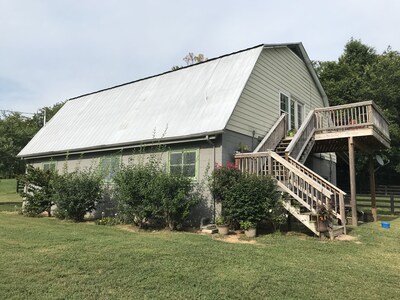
(44, 258)
(7, 191)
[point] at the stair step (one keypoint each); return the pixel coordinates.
(336, 231)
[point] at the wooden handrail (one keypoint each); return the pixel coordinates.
(315, 176)
(352, 116)
(274, 136)
(306, 190)
(296, 179)
(302, 137)
(338, 194)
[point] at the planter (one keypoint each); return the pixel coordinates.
(251, 232)
(223, 229)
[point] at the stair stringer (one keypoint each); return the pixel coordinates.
(307, 151)
(304, 219)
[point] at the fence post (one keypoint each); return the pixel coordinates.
(392, 204)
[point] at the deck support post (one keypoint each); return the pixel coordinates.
(352, 167)
(372, 187)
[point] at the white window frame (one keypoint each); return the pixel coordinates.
(296, 103)
(182, 152)
(110, 173)
(49, 163)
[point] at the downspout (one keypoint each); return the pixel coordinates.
(213, 168)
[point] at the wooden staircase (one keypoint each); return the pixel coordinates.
(283, 144)
(323, 130)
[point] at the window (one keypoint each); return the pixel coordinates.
(49, 166)
(284, 103)
(109, 166)
(184, 162)
(294, 109)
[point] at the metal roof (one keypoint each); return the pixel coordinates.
(192, 101)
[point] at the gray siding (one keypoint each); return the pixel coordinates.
(208, 156)
(277, 70)
(230, 143)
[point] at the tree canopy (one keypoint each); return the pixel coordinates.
(16, 130)
(363, 74)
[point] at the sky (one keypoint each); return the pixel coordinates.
(54, 50)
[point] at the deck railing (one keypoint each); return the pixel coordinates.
(351, 116)
(306, 189)
(338, 196)
(274, 136)
(302, 138)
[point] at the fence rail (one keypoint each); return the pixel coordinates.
(389, 203)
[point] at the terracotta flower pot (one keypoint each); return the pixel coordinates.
(223, 229)
(250, 233)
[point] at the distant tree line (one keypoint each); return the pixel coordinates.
(362, 74)
(16, 130)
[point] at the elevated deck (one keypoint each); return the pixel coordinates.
(363, 121)
(330, 129)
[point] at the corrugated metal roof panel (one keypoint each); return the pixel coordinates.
(190, 101)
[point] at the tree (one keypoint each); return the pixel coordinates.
(362, 74)
(191, 59)
(16, 131)
(39, 195)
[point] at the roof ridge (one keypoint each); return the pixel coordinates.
(166, 72)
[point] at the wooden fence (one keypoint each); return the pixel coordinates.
(386, 203)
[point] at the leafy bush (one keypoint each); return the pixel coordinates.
(221, 181)
(245, 198)
(39, 195)
(77, 193)
(176, 196)
(147, 191)
(246, 225)
(132, 190)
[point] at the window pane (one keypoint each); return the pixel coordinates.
(189, 158)
(175, 170)
(292, 114)
(189, 170)
(284, 103)
(176, 159)
(49, 166)
(300, 112)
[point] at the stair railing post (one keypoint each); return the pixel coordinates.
(269, 163)
(392, 203)
(342, 212)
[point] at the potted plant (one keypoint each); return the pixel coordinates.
(292, 132)
(249, 228)
(243, 148)
(222, 225)
(325, 218)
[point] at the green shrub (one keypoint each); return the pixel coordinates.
(222, 179)
(39, 195)
(245, 198)
(176, 196)
(133, 193)
(147, 191)
(77, 193)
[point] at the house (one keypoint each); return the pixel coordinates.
(206, 112)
